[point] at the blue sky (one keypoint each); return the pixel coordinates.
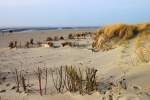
(72, 12)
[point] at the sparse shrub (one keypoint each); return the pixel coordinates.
(27, 45)
(84, 35)
(74, 79)
(65, 44)
(61, 38)
(11, 45)
(50, 44)
(70, 36)
(49, 39)
(71, 44)
(91, 80)
(31, 41)
(56, 38)
(78, 35)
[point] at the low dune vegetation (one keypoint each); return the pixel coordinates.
(112, 36)
(72, 40)
(117, 33)
(142, 46)
(63, 78)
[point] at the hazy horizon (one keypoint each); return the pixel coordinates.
(64, 13)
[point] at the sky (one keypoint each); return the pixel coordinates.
(72, 12)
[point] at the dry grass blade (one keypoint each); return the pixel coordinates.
(57, 78)
(17, 80)
(39, 75)
(91, 80)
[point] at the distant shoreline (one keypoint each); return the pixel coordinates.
(33, 29)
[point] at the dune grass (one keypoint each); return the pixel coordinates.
(142, 46)
(118, 32)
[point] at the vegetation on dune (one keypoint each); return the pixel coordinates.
(54, 42)
(143, 26)
(119, 32)
(72, 78)
(64, 78)
(142, 39)
(143, 54)
(142, 46)
(12, 44)
(109, 36)
(49, 39)
(61, 38)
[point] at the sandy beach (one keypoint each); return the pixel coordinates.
(113, 65)
(74, 50)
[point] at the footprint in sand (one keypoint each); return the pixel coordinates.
(148, 94)
(136, 88)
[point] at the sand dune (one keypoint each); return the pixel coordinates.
(112, 65)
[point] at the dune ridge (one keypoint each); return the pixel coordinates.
(118, 32)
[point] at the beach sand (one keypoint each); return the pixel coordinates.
(111, 66)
